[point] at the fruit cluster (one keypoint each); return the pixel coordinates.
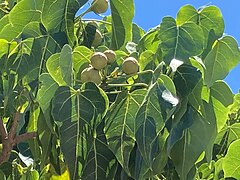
(100, 60)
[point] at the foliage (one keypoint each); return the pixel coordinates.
(174, 119)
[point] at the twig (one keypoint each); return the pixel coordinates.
(12, 131)
(24, 137)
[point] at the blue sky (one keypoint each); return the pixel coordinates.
(149, 13)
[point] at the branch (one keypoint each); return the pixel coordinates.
(24, 137)
(10, 139)
(14, 125)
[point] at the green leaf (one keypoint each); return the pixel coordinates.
(168, 83)
(208, 17)
(45, 138)
(180, 42)
(137, 33)
(195, 98)
(101, 162)
(120, 125)
(23, 13)
(42, 48)
(60, 66)
(122, 13)
(65, 63)
(186, 78)
(221, 91)
(231, 162)
(221, 97)
(146, 59)
(229, 133)
(32, 127)
(157, 107)
(149, 41)
(81, 58)
(187, 141)
(45, 94)
(78, 113)
(58, 16)
(6, 47)
(223, 57)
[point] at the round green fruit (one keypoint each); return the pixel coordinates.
(97, 38)
(100, 6)
(130, 65)
(99, 60)
(91, 75)
(111, 56)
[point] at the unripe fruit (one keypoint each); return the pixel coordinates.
(100, 6)
(111, 56)
(130, 65)
(97, 39)
(91, 75)
(99, 60)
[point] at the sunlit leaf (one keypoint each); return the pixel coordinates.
(122, 15)
(180, 42)
(231, 162)
(221, 59)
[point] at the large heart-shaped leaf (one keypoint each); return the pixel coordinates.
(157, 107)
(23, 13)
(120, 125)
(208, 17)
(78, 113)
(180, 42)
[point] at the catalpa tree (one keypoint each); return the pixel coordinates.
(103, 99)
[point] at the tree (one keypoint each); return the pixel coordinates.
(106, 100)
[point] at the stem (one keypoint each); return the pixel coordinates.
(14, 125)
(97, 20)
(126, 85)
(113, 92)
(87, 11)
(138, 73)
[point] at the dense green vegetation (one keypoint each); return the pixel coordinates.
(106, 100)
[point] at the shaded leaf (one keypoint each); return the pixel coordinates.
(187, 141)
(78, 113)
(186, 78)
